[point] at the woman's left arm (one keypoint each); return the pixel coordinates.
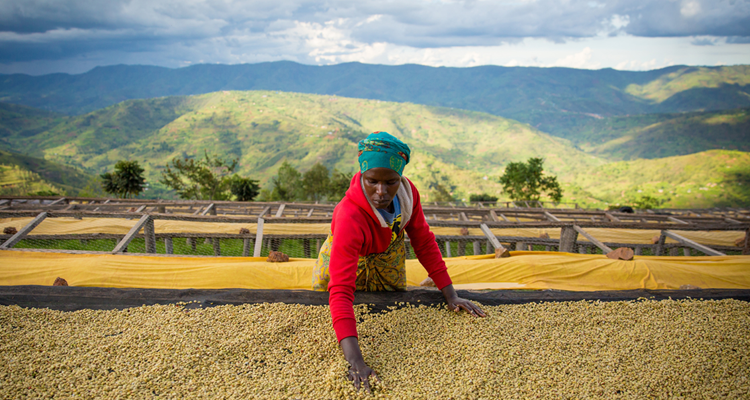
(456, 303)
(428, 253)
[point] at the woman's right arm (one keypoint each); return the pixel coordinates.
(359, 371)
(347, 243)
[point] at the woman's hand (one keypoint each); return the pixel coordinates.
(359, 372)
(360, 375)
(456, 303)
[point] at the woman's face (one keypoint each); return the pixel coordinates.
(381, 185)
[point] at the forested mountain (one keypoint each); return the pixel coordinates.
(664, 135)
(462, 151)
(553, 100)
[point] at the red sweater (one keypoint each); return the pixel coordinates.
(357, 232)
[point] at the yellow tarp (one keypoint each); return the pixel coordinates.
(523, 270)
(119, 226)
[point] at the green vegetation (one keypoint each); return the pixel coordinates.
(664, 135)
(208, 178)
(484, 198)
(314, 185)
(686, 78)
(525, 181)
(716, 178)
(455, 153)
(21, 175)
(126, 181)
(243, 189)
(550, 99)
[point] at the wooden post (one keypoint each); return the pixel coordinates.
(659, 250)
(162, 210)
(687, 242)
(521, 246)
(551, 217)
(217, 246)
(150, 236)
(591, 239)
(568, 237)
(686, 251)
(168, 245)
(582, 248)
(746, 245)
(611, 217)
(280, 211)
(461, 248)
(246, 247)
(259, 236)
(493, 216)
(505, 218)
(262, 213)
(56, 202)
(490, 247)
(491, 237)
(462, 216)
(679, 221)
(123, 245)
(674, 251)
(24, 231)
(193, 242)
(477, 247)
(447, 249)
(309, 214)
(210, 209)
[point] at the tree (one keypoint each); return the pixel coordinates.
(440, 194)
(315, 182)
(526, 181)
(287, 184)
(126, 181)
(208, 178)
(484, 197)
(244, 189)
(339, 184)
(647, 203)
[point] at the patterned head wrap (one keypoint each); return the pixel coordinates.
(382, 150)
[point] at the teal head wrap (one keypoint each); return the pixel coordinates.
(382, 150)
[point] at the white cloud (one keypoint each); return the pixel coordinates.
(690, 8)
(578, 60)
(572, 33)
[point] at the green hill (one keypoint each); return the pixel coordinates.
(716, 178)
(465, 151)
(262, 129)
(665, 135)
(550, 99)
(23, 175)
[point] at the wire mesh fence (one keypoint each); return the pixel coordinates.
(299, 230)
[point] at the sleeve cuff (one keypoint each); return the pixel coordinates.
(345, 328)
(441, 279)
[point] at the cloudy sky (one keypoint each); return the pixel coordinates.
(73, 36)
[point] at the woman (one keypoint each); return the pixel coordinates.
(366, 251)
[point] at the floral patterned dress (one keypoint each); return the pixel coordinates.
(375, 272)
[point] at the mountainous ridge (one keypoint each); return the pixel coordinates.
(550, 99)
(463, 151)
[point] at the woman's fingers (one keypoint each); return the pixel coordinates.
(470, 307)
